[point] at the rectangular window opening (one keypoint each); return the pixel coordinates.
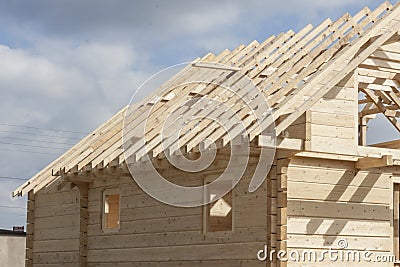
(111, 210)
(219, 213)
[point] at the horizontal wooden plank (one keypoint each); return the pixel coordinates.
(158, 211)
(342, 93)
(354, 243)
(58, 210)
(243, 235)
(56, 257)
(333, 145)
(55, 199)
(332, 131)
(343, 193)
(381, 63)
(344, 227)
(182, 253)
(62, 245)
(327, 209)
(344, 177)
(327, 164)
(65, 264)
(335, 106)
(391, 47)
(57, 233)
(205, 262)
(57, 222)
(338, 120)
(184, 223)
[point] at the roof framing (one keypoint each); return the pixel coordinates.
(292, 70)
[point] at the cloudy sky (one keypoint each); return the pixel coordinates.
(70, 65)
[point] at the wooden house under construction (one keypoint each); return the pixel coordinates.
(326, 189)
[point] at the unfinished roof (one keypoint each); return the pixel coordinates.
(292, 71)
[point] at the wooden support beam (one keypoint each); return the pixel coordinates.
(389, 114)
(376, 74)
(375, 110)
(282, 202)
(364, 101)
(82, 177)
(395, 98)
(30, 222)
(372, 86)
(367, 163)
(214, 65)
(282, 143)
(395, 144)
(362, 139)
(84, 217)
(323, 155)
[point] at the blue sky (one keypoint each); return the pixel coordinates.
(70, 65)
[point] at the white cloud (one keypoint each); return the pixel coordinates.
(24, 72)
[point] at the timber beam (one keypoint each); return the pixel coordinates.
(368, 163)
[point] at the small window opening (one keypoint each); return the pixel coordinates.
(218, 215)
(111, 210)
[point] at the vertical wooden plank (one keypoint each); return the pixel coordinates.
(84, 215)
(283, 165)
(396, 230)
(271, 211)
(307, 141)
(362, 136)
(30, 221)
(362, 140)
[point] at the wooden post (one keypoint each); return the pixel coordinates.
(271, 213)
(396, 230)
(307, 141)
(362, 140)
(84, 215)
(282, 169)
(30, 222)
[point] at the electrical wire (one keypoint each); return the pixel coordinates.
(44, 135)
(26, 145)
(39, 141)
(45, 129)
(13, 178)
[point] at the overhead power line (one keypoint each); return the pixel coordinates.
(39, 141)
(45, 135)
(45, 129)
(13, 178)
(26, 145)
